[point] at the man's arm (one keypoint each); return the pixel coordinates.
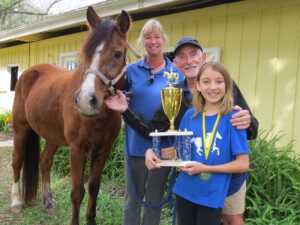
(239, 100)
(143, 126)
(140, 124)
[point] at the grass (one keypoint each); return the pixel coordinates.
(109, 207)
(273, 189)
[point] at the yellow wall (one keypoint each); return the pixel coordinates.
(46, 51)
(259, 42)
(15, 56)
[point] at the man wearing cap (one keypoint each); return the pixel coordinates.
(189, 57)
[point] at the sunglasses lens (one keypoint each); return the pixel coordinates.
(151, 78)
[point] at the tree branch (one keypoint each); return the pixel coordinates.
(14, 4)
(28, 13)
(52, 4)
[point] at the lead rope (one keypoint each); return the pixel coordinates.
(133, 51)
(168, 198)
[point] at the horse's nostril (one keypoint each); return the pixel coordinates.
(93, 101)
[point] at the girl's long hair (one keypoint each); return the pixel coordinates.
(227, 101)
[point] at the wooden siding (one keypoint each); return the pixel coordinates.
(15, 56)
(259, 42)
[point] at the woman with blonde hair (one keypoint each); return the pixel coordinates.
(145, 80)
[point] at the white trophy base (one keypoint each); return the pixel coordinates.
(173, 163)
(171, 133)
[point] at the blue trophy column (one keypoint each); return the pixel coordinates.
(156, 146)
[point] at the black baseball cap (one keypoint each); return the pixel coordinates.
(187, 40)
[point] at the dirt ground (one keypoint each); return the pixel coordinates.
(5, 137)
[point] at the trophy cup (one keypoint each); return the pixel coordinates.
(171, 100)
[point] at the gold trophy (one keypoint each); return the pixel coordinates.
(171, 101)
(171, 97)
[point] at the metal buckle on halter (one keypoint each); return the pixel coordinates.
(111, 89)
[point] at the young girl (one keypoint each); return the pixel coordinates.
(219, 149)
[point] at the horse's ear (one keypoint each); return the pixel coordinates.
(123, 22)
(92, 17)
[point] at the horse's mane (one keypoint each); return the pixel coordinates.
(100, 33)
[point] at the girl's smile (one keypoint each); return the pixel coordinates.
(212, 86)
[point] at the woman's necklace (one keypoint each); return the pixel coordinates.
(152, 71)
(155, 68)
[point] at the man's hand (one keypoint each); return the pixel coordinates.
(241, 120)
(118, 102)
(151, 160)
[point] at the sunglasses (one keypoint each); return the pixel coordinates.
(151, 77)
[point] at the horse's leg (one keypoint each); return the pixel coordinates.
(45, 165)
(77, 164)
(97, 165)
(17, 163)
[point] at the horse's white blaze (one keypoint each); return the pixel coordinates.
(88, 86)
(15, 194)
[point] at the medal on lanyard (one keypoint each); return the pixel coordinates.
(207, 148)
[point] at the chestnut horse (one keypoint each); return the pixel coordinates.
(66, 108)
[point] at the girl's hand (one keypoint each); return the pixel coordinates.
(118, 103)
(151, 160)
(194, 168)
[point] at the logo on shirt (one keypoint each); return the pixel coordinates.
(197, 141)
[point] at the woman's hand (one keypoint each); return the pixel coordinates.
(118, 102)
(151, 160)
(241, 120)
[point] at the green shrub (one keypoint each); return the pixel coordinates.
(61, 164)
(273, 187)
(5, 121)
(114, 168)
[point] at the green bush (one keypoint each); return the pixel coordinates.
(61, 164)
(5, 121)
(273, 187)
(114, 168)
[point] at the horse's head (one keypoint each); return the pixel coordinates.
(103, 59)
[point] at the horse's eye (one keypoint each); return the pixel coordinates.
(118, 54)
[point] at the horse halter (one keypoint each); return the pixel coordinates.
(109, 83)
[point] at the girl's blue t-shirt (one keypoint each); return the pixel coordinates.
(228, 142)
(145, 100)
